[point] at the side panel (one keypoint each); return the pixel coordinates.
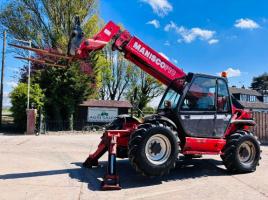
(199, 125)
(203, 145)
(222, 122)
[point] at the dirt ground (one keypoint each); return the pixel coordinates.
(49, 167)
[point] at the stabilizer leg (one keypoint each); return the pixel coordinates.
(92, 160)
(111, 179)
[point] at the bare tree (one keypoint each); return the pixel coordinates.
(143, 89)
(116, 76)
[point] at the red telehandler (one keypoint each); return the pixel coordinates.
(197, 115)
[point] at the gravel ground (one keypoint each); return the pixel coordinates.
(49, 167)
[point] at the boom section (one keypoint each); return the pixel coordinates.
(135, 51)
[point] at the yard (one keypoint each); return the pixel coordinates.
(49, 167)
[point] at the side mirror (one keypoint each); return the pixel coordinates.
(167, 104)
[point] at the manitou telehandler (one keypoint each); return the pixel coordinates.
(196, 115)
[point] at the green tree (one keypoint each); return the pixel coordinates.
(148, 110)
(47, 23)
(19, 102)
(143, 89)
(260, 83)
(64, 89)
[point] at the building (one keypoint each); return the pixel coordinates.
(250, 99)
(100, 112)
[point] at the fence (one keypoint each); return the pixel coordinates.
(80, 125)
(261, 129)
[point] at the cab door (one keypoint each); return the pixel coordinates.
(224, 112)
(197, 110)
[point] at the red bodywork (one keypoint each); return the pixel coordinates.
(163, 70)
(159, 67)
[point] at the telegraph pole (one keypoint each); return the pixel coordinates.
(2, 75)
(29, 77)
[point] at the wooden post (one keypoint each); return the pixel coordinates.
(2, 76)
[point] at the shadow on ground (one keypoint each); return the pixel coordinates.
(186, 169)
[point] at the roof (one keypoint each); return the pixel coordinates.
(235, 90)
(106, 103)
(254, 105)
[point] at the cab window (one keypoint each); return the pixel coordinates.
(172, 96)
(223, 100)
(201, 95)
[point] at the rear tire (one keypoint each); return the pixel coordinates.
(241, 153)
(153, 149)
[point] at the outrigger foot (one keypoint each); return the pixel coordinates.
(90, 162)
(111, 182)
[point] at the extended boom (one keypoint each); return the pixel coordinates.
(134, 50)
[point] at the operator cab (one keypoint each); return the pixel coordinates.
(201, 105)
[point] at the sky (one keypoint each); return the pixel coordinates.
(11, 72)
(201, 36)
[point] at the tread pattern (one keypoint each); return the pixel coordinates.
(229, 152)
(134, 144)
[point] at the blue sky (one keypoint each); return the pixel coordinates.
(204, 36)
(11, 73)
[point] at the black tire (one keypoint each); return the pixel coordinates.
(239, 146)
(139, 144)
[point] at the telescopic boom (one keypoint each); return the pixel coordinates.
(134, 50)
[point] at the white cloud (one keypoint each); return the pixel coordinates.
(5, 94)
(154, 22)
(246, 24)
(190, 35)
(160, 7)
(11, 83)
(170, 26)
(6, 99)
(231, 72)
(213, 41)
(167, 43)
(162, 54)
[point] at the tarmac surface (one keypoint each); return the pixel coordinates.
(49, 167)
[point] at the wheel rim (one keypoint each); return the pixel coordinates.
(246, 153)
(158, 149)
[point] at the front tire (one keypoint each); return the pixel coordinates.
(153, 150)
(241, 153)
